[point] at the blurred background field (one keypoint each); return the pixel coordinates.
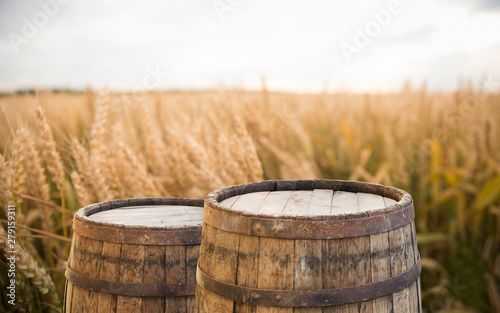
(61, 151)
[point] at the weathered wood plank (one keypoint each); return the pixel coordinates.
(358, 265)
(131, 271)
(203, 299)
(344, 202)
(370, 202)
(192, 255)
(275, 268)
(91, 256)
(380, 261)
(397, 244)
(307, 258)
(207, 248)
(389, 201)
(76, 263)
(154, 273)
(175, 272)
(69, 288)
(158, 215)
(224, 265)
(110, 271)
(248, 263)
(248, 268)
(298, 203)
(274, 203)
(229, 201)
(276, 255)
(250, 202)
(359, 269)
(410, 261)
(308, 269)
(416, 255)
(333, 264)
(321, 202)
(68, 296)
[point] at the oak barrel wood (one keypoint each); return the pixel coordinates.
(134, 255)
(308, 246)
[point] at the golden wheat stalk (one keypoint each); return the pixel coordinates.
(34, 169)
(81, 191)
(89, 173)
(18, 176)
(30, 267)
(198, 155)
(253, 163)
(103, 171)
(134, 173)
(49, 151)
(53, 160)
(227, 167)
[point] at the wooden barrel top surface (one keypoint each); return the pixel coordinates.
(152, 215)
(307, 203)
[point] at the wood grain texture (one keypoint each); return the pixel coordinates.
(416, 255)
(192, 255)
(91, 251)
(307, 253)
(154, 273)
(131, 271)
(171, 216)
(275, 255)
(110, 271)
(250, 202)
(225, 266)
(275, 268)
(248, 268)
(248, 262)
(76, 264)
(397, 244)
(321, 202)
(381, 262)
(69, 285)
(333, 264)
(229, 201)
(175, 272)
(343, 203)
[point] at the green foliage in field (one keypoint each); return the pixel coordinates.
(62, 151)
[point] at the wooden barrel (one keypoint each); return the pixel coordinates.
(308, 246)
(135, 255)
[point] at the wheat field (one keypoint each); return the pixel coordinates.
(61, 151)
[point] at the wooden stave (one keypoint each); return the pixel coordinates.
(207, 301)
(79, 299)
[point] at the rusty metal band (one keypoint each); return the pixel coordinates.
(137, 236)
(130, 289)
(308, 229)
(309, 298)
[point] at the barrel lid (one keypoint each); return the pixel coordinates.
(267, 213)
(150, 213)
(309, 199)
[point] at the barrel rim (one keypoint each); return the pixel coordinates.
(82, 215)
(404, 199)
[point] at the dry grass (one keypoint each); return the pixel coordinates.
(69, 150)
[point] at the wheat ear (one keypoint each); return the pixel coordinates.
(250, 152)
(17, 172)
(30, 268)
(53, 160)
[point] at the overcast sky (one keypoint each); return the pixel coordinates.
(361, 45)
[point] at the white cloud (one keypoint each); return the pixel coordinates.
(294, 44)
